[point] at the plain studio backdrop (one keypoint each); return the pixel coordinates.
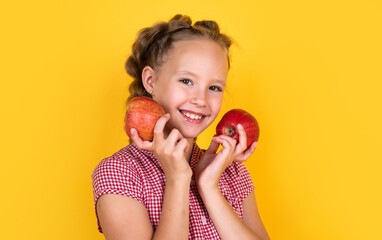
(309, 71)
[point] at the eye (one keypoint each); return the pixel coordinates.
(186, 81)
(216, 89)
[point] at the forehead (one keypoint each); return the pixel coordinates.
(197, 55)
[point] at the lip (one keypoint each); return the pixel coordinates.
(195, 121)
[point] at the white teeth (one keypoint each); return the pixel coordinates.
(192, 116)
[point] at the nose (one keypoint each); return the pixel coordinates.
(198, 98)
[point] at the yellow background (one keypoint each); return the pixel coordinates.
(309, 71)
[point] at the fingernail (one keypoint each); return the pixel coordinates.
(240, 126)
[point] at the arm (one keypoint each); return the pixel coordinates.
(174, 220)
(252, 218)
(170, 152)
(208, 172)
(226, 221)
(123, 218)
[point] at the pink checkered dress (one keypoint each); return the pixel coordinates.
(137, 174)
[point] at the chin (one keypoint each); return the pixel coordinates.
(190, 134)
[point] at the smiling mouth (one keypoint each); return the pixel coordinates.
(192, 116)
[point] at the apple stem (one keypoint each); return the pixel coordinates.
(231, 131)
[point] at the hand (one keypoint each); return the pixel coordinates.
(169, 151)
(212, 164)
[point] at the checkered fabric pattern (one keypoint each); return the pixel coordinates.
(137, 173)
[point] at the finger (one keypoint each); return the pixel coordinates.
(230, 142)
(227, 143)
(242, 139)
(182, 146)
(244, 156)
(214, 145)
(138, 141)
(173, 138)
(159, 126)
(224, 156)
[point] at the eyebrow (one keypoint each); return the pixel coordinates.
(195, 75)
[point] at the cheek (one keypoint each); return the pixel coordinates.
(216, 103)
(172, 98)
(177, 95)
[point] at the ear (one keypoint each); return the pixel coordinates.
(148, 78)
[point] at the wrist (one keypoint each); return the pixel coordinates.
(207, 188)
(206, 182)
(179, 181)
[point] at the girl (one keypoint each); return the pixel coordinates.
(169, 188)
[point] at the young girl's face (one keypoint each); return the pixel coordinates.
(190, 85)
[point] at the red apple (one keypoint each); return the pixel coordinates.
(228, 125)
(142, 114)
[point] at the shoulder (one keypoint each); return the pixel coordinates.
(119, 170)
(129, 165)
(120, 173)
(120, 161)
(236, 180)
(236, 171)
(128, 172)
(125, 160)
